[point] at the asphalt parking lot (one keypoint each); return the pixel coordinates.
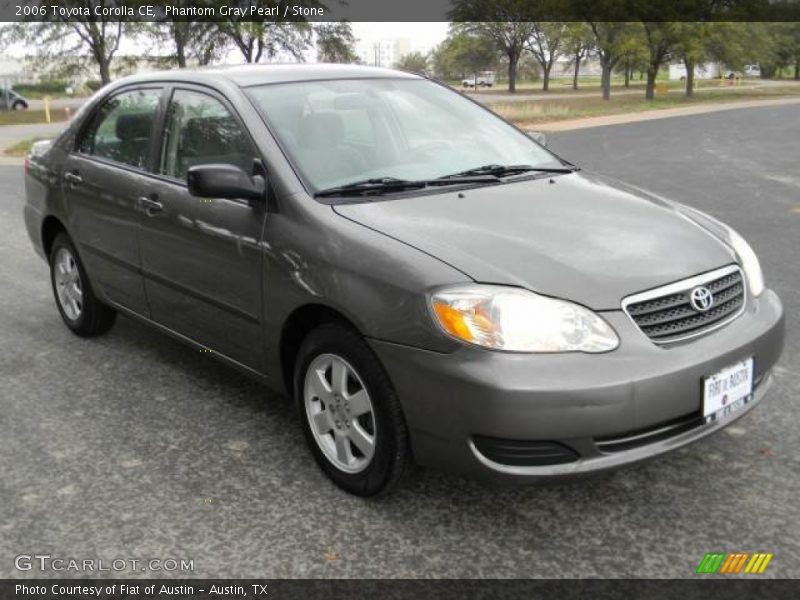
(131, 445)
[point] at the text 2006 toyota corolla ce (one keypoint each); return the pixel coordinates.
(429, 283)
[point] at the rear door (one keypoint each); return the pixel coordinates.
(201, 257)
(103, 180)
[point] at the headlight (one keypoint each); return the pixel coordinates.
(516, 320)
(750, 264)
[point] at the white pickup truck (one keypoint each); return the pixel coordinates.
(483, 79)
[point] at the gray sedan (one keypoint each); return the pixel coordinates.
(428, 283)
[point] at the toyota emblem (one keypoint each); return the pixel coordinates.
(701, 299)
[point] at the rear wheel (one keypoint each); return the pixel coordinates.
(350, 412)
(81, 311)
(19, 105)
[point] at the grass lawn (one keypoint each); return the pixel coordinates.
(537, 112)
(17, 117)
(563, 85)
(22, 147)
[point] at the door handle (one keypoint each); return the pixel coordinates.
(150, 205)
(73, 178)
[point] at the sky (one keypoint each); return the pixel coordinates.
(422, 35)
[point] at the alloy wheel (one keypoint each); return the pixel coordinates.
(340, 413)
(69, 288)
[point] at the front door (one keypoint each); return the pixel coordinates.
(102, 181)
(201, 258)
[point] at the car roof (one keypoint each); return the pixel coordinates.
(259, 74)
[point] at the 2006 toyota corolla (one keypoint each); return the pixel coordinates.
(428, 282)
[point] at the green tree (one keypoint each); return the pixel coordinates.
(95, 36)
(506, 22)
(262, 39)
(610, 39)
(265, 38)
(783, 51)
(578, 45)
(200, 41)
(545, 45)
(336, 42)
(659, 37)
(416, 62)
(692, 48)
(463, 54)
(634, 55)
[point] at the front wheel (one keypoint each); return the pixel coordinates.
(19, 106)
(81, 311)
(351, 416)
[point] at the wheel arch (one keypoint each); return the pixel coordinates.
(51, 227)
(302, 321)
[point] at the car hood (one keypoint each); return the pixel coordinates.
(578, 236)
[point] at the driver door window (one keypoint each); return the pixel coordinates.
(201, 130)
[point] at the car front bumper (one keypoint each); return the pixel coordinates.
(610, 409)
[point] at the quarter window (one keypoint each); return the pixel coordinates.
(121, 130)
(201, 130)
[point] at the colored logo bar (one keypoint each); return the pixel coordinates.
(734, 563)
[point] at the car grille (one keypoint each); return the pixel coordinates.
(667, 315)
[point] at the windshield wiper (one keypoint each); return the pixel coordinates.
(506, 170)
(384, 185)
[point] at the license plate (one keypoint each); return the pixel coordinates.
(728, 390)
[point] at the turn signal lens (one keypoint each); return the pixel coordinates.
(453, 321)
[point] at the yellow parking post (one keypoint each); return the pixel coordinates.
(47, 108)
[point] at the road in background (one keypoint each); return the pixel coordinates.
(59, 103)
(133, 445)
(498, 96)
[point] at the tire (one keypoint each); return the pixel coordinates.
(81, 311)
(332, 415)
(19, 106)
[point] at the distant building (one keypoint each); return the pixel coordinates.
(15, 70)
(564, 68)
(383, 53)
(709, 70)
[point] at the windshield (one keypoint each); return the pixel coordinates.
(338, 132)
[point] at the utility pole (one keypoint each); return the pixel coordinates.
(6, 94)
(376, 53)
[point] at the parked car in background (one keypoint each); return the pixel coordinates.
(482, 79)
(427, 282)
(752, 71)
(11, 100)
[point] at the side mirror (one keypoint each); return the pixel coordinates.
(224, 181)
(538, 137)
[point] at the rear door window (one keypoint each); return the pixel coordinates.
(121, 131)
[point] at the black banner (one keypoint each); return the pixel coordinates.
(400, 10)
(401, 589)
